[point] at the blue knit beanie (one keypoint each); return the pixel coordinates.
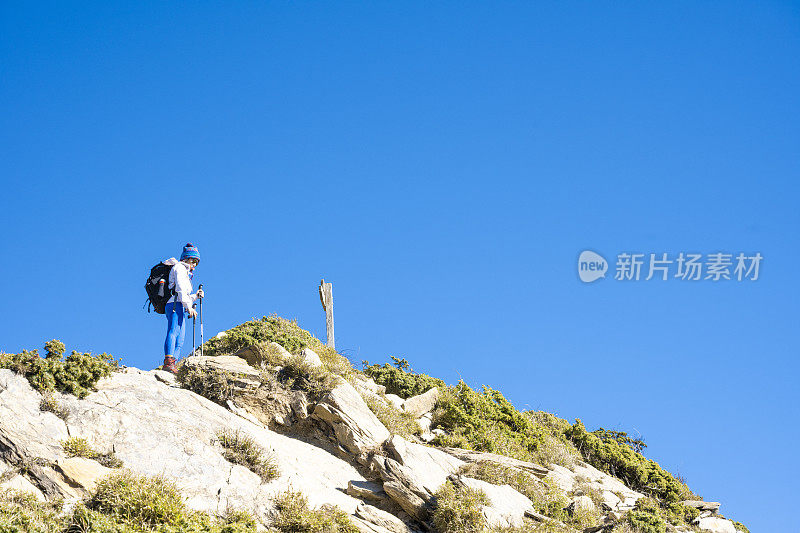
(190, 251)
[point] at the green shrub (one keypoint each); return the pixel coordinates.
(677, 513)
(50, 404)
(458, 509)
(123, 503)
(241, 449)
(77, 374)
(84, 520)
(298, 374)
(139, 500)
(210, 383)
(286, 333)
(646, 517)
(487, 421)
(620, 437)
(632, 468)
(294, 516)
(21, 512)
(740, 527)
(396, 421)
(400, 379)
(80, 447)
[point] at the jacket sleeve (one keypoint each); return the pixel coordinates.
(183, 286)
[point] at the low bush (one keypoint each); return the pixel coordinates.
(286, 333)
(141, 501)
(620, 437)
(396, 421)
(298, 374)
(80, 447)
(295, 516)
(241, 449)
(487, 421)
(458, 509)
(646, 517)
(400, 379)
(21, 512)
(632, 468)
(122, 503)
(740, 527)
(51, 405)
(77, 374)
(210, 383)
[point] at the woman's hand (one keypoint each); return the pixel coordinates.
(192, 312)
(200, 293)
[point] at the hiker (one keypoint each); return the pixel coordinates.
(180, 304)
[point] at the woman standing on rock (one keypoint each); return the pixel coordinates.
(180, 304)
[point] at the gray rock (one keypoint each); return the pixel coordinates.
(311, 357)
(166, 377)
(403, 485)
(355, 427)
(263, 354)
(582, 503)
(610, 500)
(715, 524)
(299, 404)
(507, 506)
(702, 506)
(228, 363)
(366, 490)
(395, 400)
(427, 436)
(424, 423)
(367, 527)
(83, 472)
(382, 519)
(430, 465)
(472, 456)
(418, 405)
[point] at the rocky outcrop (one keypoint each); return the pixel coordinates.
(404, 487)
(716, 525)
(700, 505)
(259, 355)
(506, 507)
(355, 427)
(412, 473)
(616, 493)
(418, 405)
(329, 446)
(381, 519)
(154, 428)
(82, 472)
(471, 456)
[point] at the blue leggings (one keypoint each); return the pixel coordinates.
(176, 329)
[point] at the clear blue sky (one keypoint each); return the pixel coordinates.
(443, 164)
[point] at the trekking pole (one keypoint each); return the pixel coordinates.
(201, 321)
(193, 345)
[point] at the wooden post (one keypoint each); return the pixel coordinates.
(326, 297)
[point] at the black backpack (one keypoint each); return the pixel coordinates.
(157, 288)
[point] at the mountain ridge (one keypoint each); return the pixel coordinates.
(272, 424)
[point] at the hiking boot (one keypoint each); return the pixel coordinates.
(169, 365)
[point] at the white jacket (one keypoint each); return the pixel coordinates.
(179, 279)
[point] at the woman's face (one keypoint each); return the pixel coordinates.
(191, 261)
